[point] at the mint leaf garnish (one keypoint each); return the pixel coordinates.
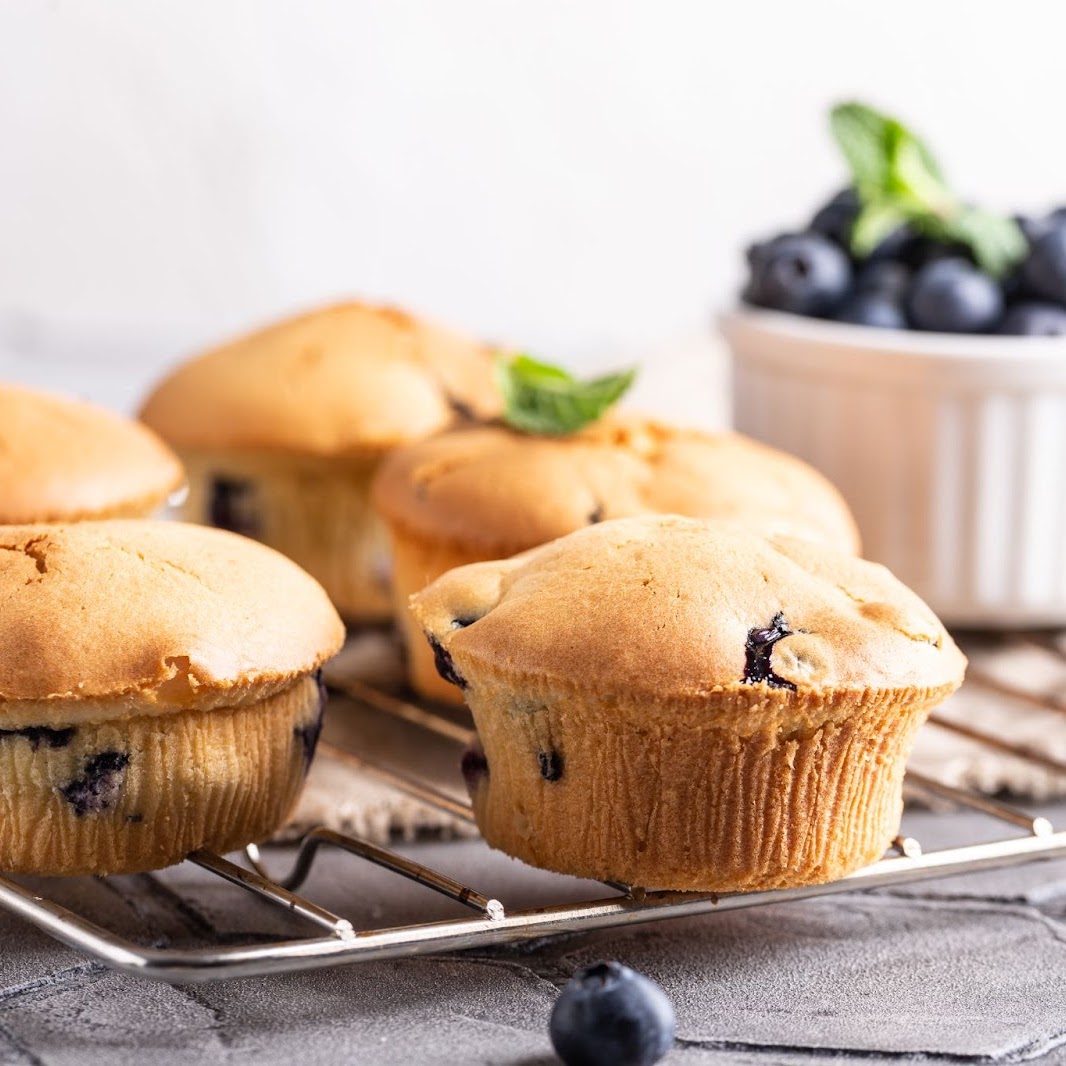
(997, 242)
(545, 399)
(899, 183)
(862, 135)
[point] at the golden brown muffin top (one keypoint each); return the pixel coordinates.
(64, 460)
(664, 609)
(494, 490)
(164, 615)
(346, 379)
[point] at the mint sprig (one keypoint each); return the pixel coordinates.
(544, 399)
(900, 183)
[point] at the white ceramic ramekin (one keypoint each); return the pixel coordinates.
(951, 451)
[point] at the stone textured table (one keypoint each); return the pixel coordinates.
(969, 969)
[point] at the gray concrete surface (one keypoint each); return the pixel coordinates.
(969, 970)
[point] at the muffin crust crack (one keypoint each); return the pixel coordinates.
(160, 564)
(34, 549)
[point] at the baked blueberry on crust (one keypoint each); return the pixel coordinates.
(759, 648)
(686, 704)
(487, 492)
(445, 667)
(159, 693)
(281, 432)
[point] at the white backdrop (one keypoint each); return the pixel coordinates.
(576, 177)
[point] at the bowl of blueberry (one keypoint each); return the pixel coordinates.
(912, 346)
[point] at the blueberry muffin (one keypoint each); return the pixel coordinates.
(282, 430)
(683, 704)
(62, 460)
(486, 493)
(158, 693)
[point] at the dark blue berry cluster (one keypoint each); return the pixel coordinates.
(910, 280)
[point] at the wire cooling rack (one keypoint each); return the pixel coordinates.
(334, 940)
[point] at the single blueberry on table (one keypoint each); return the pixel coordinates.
(1034, 319)
(872, 309)
(608, 1015)
(804, 273)
(953, 296)
(1044, 269)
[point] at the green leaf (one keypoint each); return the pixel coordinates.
(996, 241)
(915, 173)
(862, 134)
(545, 399)
(899, 180)
(883, 155)
(876, 220)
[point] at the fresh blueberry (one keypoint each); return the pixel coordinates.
(1032, 227)
(1055, 218)
(1015, 289)
(835, 218)
(610, 1016)
(1044, 270)
(891, 247)
(885, 277)
(917, 251)
(872, 309)
(1034, 319)
(953, 296)
(804, 273)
